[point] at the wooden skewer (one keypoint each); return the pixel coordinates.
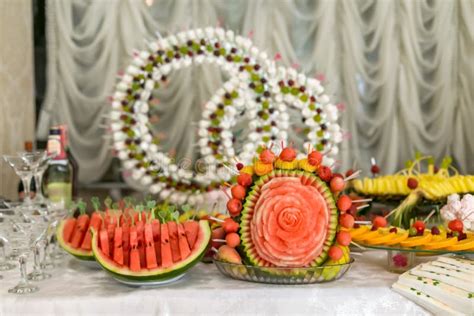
(353, 176)
(215, 250)
(466, 216)
(429, 215)
(361, 200)
(358, 246)
(362, 206)
(363, 222)
(391, 212)
(219, 240)
(216, 219)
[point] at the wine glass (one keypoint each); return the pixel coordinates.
(5, 214)
(38, 176)
(23, 234)
(39, 248)
(24, 171)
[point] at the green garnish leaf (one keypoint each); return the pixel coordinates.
(95, 203)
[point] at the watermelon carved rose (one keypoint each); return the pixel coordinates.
(290, 223)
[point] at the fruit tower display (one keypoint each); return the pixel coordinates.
(288, 213)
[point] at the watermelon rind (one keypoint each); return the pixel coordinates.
(81, 254)
(246, 216)
(158, 274)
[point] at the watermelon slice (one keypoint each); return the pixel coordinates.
(118, 246)
(156, 228)
(150, 248)
(166, 256)
(134, 253)
(289, 219)
(64, 234)
(174, 242)
(191, 229)
(80, 230)
(161, 273)
(95, 222)
(183, 242)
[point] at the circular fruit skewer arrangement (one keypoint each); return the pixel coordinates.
(287, 213)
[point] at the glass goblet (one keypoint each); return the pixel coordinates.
(24, 171)
(38, 176)
(24, 234)
(4, 222)
(39, 217)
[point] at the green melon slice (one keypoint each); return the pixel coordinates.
(251, 252)
(79, 253)
(158, 274)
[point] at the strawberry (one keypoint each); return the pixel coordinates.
(456, 225)
(344, 203)
(335, 253)
(379, 221)
(337, 184)
(419, 226)
(234, 207)
(244, 179)
(288, 154)
(343, 238)
(238, 192)
(267, 156)
(315, 158)
(325, 173)
(346, 221)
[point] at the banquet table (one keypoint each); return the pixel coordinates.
(76, 289)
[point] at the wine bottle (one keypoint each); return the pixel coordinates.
(58, 178)
(72, 161)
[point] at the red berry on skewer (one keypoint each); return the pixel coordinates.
(375, 169)
(344, 203)
(344, 238)
(412, 183)
(234, 207)
(456, 225)
(349, 173)
(238, 192)
(337, 184)
(315, 158)
(244, 179)
(379, 221)
(230, 226)
(239, 166)
(419, 226)
(393, 230)
(325, 173)
(435, 230)
(288, 154)
(267, 156)
(335, 253)
(232, 240)
(346, 221)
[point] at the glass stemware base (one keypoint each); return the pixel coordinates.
(24, 288)
(38, 276)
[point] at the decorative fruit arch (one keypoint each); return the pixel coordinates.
(257, 88)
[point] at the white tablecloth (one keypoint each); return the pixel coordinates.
(78, 290)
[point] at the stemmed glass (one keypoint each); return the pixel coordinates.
(34, 159)
(23, 235)
(5, 214)
(38, 176)
(24, 171)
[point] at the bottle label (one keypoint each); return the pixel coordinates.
(56, 146)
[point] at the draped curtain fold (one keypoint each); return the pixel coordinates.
(400, 67)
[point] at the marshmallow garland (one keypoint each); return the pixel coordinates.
(257, 88)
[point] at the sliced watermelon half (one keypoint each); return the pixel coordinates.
(124, 273)
(64, 231)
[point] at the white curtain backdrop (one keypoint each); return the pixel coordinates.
(402, 69)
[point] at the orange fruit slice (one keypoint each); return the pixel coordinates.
(370, 234)
(464, 244)
(359, 231)
(416, 241)
(440, 244)
(384, 237)
(398, 238)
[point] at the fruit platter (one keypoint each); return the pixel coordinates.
(284, 225)
(420, 183)
(140, 245)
